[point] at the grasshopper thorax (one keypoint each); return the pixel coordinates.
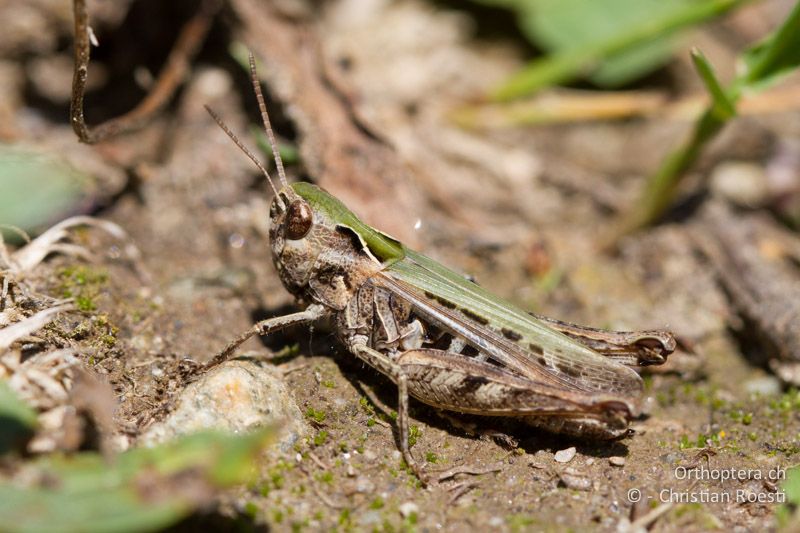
(319, 259)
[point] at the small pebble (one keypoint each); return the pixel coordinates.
(616, 461)
(370, 518)
(407, 509)
(742, 183)
(765, 386)
(669, 458)
(572, 479)
(213, 82)
(565, 456)
(364, 486)
(788, 371)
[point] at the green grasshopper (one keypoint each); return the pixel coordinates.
(438, 336)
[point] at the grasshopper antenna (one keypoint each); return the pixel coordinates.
(265, 119)
(247, 152)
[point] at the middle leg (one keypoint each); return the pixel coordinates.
(384, 364)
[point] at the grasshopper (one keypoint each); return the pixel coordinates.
(438, 336)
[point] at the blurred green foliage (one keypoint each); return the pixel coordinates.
(764, 64)
(17, 420)
(36, 189)
(142, 489)
(612, 42)
(788, 514)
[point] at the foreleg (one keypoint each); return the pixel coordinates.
(265, 327)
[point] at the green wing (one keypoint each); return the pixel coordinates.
(506, 333)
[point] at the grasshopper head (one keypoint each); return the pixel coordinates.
(295, 232)
(321, 250)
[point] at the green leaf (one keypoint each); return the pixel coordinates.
(563, 25)
(613, 41)
(633, 63)
(723, 105)
(17, 419)
(777, 55)
(36, 189)
(139, 490)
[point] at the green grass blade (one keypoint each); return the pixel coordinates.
(662, 186)
(776, 55)
(723, 105)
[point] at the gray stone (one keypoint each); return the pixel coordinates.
(575, 480)
(364, 485)
(237, 396)
(369, 518)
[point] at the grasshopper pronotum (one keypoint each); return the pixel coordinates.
(438, 336)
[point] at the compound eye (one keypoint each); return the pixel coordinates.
(298, 220)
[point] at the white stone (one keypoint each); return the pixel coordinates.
(407, 509)
(616, 461)
(566, 455)
(742, 183)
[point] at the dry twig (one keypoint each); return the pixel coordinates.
(467, 469)
(170, 77)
